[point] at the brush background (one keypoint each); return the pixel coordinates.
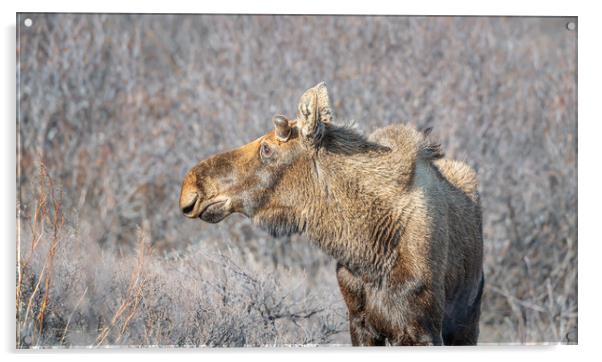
(119, 107)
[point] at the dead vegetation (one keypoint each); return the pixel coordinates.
(117, 106)
(71, 292)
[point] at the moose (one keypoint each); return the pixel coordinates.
(402, 222)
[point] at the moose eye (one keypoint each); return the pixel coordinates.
(266, 150)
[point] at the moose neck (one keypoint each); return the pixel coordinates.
(356, 219)
(353, 200)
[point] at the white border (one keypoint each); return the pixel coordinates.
(589, 163)
(424, 7)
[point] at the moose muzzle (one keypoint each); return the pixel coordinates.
(197, 203)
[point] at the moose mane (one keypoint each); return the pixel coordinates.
(346, 139)
(428, 149)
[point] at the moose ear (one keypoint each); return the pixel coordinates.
(282, 128)
(313, 111)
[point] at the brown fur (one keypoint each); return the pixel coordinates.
(403, 223)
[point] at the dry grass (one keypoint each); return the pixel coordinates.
(119, 107)
(191, 297)
(47, 222)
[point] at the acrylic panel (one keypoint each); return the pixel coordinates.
(163, 201)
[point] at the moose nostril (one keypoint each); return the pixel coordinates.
(188, 209)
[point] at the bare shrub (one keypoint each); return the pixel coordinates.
(70, 292)
(120, 106)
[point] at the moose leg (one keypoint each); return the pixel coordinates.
(464, 332)
(352, 290)
(471, 332)
(422, 316)
(462, 328)
(424, 332)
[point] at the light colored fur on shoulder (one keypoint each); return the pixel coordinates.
(460, 175)
(406, 139)
(414, 144)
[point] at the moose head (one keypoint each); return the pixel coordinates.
(265, 176)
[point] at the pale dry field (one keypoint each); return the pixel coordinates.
(119, 107)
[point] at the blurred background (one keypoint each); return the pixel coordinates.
(114, 109)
